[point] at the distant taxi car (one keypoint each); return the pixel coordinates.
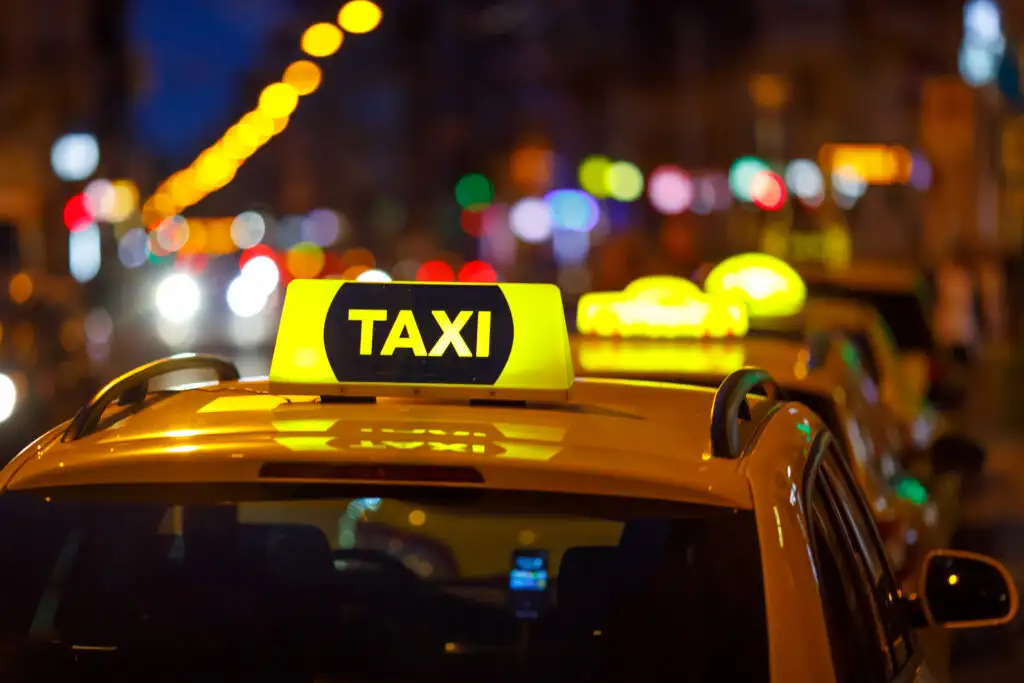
(421, 490)
(825, 374)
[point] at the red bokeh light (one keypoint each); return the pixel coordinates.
(435, 271)
(477, 271)
(472, 222)
(258, 250)
(192, 263)
(76, 214)
(768, 191)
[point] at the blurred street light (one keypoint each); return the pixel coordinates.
(178, 298)
(359, 16)
(303, 75)
(321, 40)
(769, 91)
(75, 156)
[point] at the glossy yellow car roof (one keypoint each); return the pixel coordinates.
(628, 438)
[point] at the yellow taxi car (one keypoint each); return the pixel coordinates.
(825, 374)
(422, 490)
(776, 294)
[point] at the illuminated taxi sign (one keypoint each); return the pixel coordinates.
(416, 339)
(770, 286)
(660, 307)
(646, 358)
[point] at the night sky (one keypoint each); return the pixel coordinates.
(195, 54)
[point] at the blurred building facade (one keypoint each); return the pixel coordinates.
(64, 66)
(447, 88)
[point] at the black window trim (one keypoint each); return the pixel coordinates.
(815, 460)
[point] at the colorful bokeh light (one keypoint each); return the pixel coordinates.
(742, 174)
(477, 271)
(435, 271)
(474, 191)
(573, 210)
(670, 190)
(768, 192)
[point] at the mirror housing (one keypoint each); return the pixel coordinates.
(957, 454)
(959, 589)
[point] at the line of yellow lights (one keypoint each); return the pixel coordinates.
(217, 165)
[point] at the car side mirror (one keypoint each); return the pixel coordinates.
(965, 590)
(957, 454)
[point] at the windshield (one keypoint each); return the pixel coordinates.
(903, 312)
(377, 584)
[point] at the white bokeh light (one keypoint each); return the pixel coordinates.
(373, 275)
(8, 397)
(85, 254)
(262, 274)
(244, 300)
(846, 181)
(248, 229)
(75, 156)
(978, 65)
(804, 179)
(178, 298)
(530, 220)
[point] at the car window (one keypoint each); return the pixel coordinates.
(866, 354)
(905, 313)
(863, 535)
(378, 584)
(853, 635)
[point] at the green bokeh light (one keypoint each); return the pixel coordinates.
(912, 490)
(625, 182)
(474, 191)
(742, 174)
(593, 175)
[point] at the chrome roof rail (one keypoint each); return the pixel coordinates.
(132, 387)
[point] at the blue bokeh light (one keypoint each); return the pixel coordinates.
(573, 210)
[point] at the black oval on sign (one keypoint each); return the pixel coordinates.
(343, 335)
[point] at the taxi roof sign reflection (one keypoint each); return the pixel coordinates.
(358, 339)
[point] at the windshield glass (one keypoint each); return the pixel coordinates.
(903, 312)
(376, 584)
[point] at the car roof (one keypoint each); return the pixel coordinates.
(625, 438)
(866, 276)
(706, 363)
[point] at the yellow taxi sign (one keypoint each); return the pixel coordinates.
(770, 285)
(661, 307)
(499, 341)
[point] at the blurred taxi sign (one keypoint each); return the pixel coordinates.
(874, 164)
(645, 357)
(769, 285)
(660, 307)
(497, 341)
(947, 118)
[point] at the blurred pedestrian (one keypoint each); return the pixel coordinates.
(956, 317)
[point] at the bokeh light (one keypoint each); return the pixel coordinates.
(76, 213)
(99, 326)
(178, 298)
(624, 181)
(358, 256)
(131, 248)
(75, 156)
(768, 191)
(353, 272)
(84, 253)
(359, 16)
(477, 271)
(244, 300)
(304, 76)
(172, 234)
(573, 210)
(805, 180)
(21, 288)
(472, 222)
(435, 271)
(373, 275)
(278, 100)
(848, 184)
(920, 173)
(261, 274)
(322, 227)
(670, 190)
(593, 175)
(570, 247)
(530, 220)
(742, 174)
(321, 40)
(247, 229)
(305, 260)
(474, 191)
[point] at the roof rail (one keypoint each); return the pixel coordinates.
(732, 420)
(132, 387)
